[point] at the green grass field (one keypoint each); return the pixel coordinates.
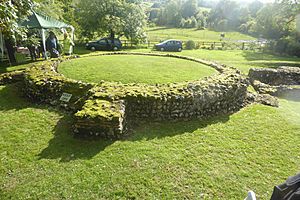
(163, 33)
(242, 60)
(134, 69)
(220, 158)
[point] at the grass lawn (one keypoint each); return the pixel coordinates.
(242, 60)
(221, 158)
(134, 69)
(7, 68)
(163, 33)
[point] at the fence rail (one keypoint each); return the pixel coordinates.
(222, 45)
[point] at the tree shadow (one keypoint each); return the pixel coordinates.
(293, 95)
(11, 98)
(159, 29)
(158, 130)
(275, 65)
(80, 49)
(254, 56)
(65, 147)
(4, 66)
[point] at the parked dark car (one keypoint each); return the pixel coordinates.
(169, 45)
(105, 44)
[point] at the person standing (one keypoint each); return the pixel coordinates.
(68, 44)
(52, 45)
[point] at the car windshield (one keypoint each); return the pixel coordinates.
(102, 42)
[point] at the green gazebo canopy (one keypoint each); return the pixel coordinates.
(43, 22)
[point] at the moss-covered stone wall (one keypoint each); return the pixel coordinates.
(277, 82)
(280, 76)
(11, 77)
(108, 108)
(42, 83)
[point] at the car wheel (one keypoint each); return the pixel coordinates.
(115, 49)
(93, 48)
(179, 49)
(162, 49)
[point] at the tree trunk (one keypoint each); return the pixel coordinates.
(112, 37)
(112, 34)
(10, 50)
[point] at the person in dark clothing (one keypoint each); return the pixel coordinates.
(52, 45)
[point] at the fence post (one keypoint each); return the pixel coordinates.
(243, 45)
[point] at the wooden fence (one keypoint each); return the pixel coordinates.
(222, 45)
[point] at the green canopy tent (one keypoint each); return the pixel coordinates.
(42, 22)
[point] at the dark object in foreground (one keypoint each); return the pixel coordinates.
(169, 45)
(290, 190)
(105, 44)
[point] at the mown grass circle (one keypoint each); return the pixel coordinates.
(134, 69)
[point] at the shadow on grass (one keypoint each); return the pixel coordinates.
(4, 67)
(276, 64)
(253, 56)
(65, 147)
(80, 49)
(157, 130)
(11, 98)
(293, 95)
(159, 29)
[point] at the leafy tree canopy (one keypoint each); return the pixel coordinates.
(10, 13)
(116, 17)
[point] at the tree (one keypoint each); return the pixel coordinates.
(224, 16)
(113, 17)
(190, 8)
(10, 13)
(277, 22)
(254, 7)
(173, 12)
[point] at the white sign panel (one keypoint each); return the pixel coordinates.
(65, 97)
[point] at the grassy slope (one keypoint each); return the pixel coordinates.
(163, 33)
(132, 68)
(221, 158)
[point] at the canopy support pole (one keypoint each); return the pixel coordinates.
(1, 46)
(44, 43)
(72, 32)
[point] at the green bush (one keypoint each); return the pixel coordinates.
(190, 45)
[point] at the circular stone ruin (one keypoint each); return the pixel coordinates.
(107, 109)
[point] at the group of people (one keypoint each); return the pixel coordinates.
(53, 46)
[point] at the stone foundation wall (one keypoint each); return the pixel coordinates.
(11, 77)
(107, 109)
(220, 94)
(44, 84)
(101, 118)
(276, 77)
(276, 82)
(201, 100)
